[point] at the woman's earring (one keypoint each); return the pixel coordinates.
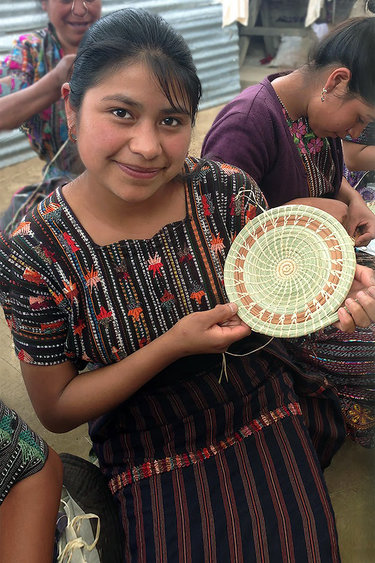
(322, 96)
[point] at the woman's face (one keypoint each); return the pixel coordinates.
(130, 138)
(340, 116)
(72, 19)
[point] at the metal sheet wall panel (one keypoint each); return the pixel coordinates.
(214, 49)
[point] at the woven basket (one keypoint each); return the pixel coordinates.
(289, 270)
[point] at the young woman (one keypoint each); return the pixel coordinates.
(30, 488)
(30, 96)
(122, 270)
(286, 132)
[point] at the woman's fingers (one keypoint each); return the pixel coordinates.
(358, 312)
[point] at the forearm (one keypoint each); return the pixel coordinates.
(359, 157)
(19, 106)
(347, 194)
(91, 394)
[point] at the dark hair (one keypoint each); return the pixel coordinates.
(350, 44)
(137, 35)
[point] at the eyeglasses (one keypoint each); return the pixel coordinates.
(72, 2)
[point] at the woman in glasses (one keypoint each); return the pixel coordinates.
(30, 96)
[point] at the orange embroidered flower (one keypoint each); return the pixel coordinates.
(70, 290)
(135, 313)
(57, 297)
(228, 169)
(92, 278)
(33, 276)
(22, 229)
(78, 329)
(198, 295)
(217, 244)
(51, 208)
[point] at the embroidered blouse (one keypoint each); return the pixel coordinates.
(65, 297)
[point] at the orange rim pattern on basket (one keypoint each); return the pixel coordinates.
(289, 270)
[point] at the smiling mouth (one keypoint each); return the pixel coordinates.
(79, 25)
(138, 172)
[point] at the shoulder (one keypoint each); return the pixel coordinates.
(216, 177)
(36, 236)
(255, 101)
(207, 170)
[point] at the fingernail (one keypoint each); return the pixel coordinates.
(233, 308)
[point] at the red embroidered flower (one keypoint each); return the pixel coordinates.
(78, 329)
(155, 264)
(72, 245)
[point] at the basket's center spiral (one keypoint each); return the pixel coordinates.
(286, 268)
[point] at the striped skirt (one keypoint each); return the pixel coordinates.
(203, 471)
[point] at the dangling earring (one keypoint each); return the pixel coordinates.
(71, 135)
(322, 96)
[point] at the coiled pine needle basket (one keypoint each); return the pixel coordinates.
(289, 270)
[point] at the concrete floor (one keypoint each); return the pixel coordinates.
(350, 479)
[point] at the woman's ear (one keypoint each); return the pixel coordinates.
(71, 114)
(339, 78)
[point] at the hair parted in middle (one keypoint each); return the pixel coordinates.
(131, 36)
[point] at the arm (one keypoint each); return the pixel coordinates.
(17, 107)
(334, 207)
(63, 400)
(358, 156)
(28, 515)
(360, 221)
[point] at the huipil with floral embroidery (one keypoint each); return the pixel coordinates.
(74, 299)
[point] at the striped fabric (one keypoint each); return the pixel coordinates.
(201, 471)
(348, 360)
(22, 452)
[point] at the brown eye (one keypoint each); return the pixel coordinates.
(171, 121)
(122, 113)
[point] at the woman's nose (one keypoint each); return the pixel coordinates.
(145, 141)
(356, 130)
(79, 8)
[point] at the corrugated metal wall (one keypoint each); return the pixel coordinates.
(214, 49)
